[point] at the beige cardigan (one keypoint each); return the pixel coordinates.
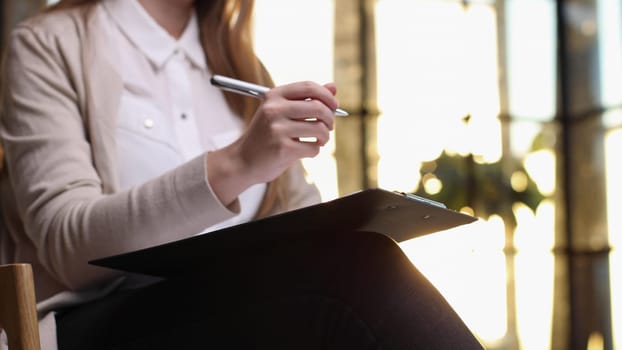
(61, 204)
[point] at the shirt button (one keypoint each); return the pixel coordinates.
(148, 123)
(184, 116)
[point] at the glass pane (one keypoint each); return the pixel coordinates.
(613, 145)
(531, 71)
(610, 55)
(427, 85)
(438, 93)
(531, 56)
(295, 42)
(534, 237)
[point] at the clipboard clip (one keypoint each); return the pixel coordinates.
(421, 199)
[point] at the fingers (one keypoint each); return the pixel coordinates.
(331, 87)
(304, 101)
(293, 121)
(304, 149)
(309, 91)
(309, 149)
(311, 110)
(310, 132)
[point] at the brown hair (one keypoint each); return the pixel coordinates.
(226, 36)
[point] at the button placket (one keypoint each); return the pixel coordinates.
(182, 106)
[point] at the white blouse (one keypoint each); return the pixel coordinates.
(169, 112)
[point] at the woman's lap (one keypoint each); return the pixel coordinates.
(351, 290)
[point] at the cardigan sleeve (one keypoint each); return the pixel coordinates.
(67, 218)
(301, 193)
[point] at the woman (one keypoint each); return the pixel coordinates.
(115, 141)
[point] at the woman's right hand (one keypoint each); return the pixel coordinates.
(272, 141)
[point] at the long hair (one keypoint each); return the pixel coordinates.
(226, 36)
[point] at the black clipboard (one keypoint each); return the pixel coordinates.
(397, 215)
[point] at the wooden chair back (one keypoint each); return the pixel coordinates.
(18, 315)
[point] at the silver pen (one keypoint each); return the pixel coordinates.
(249, 89)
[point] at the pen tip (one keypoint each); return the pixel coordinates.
(340, 112)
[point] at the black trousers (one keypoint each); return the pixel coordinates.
(352, 290)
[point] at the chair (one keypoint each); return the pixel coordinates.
(18, 315)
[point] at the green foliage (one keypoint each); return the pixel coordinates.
(484, 187)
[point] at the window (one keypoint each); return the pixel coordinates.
(295, 42)
(469, 98)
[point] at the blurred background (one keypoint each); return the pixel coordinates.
(510, 110)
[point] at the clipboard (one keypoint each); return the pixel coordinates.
(397, 215)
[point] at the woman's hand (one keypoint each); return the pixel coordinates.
(272, 141)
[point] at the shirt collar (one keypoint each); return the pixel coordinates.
(150, 38)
